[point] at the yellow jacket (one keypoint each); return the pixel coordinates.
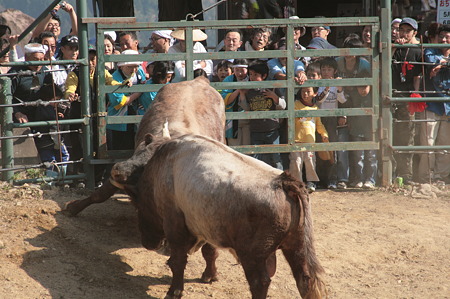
(72, 82)
(305, 127)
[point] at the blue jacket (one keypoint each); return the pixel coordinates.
(440, 82)
(117, 100)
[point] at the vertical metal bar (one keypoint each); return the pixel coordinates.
(376, 82)
(101, 96)
(7, 144)
(290, 46)
(189, 63)
(386, 91)
(85, 95)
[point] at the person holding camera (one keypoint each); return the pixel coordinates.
(52, 23)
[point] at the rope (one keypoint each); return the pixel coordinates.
(193, 16)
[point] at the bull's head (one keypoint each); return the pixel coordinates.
(129, 171)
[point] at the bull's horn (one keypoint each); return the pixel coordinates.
(165, 130)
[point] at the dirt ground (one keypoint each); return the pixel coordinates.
(375, 244)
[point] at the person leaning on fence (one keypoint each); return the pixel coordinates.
(51, 148)
(180, 47)
(329, 98)
(363, 163)
(25, 87)
(163, 72)
(123, 103)
(305, 132)
(406, 76)
(263, 131)
(436, 131)
(237, 132)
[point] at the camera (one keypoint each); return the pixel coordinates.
(62, 4)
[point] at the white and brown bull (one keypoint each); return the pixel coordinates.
(195, 190)
(190, 107)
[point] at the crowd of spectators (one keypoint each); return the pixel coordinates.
(333, 170)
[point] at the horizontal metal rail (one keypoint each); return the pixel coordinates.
(51, 123)
(38, 134)
(46, 62)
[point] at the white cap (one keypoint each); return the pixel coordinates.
(163, 33)
(35, 48)
(129, 52)
(112, 34)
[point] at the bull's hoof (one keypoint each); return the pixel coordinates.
(71, 209)
(177, 294)
(208, 278)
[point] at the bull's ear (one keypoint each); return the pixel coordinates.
(148, 138)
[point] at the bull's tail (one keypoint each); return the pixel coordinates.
(312, 270)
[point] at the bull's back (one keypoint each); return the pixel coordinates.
(218, 189)
(190, 107)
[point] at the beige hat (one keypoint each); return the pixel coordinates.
(198, 35)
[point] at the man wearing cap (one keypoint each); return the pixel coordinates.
(395, 25)
(69, 51)
(180, 47)
(25, 88)
(161, 41)
(405, 77)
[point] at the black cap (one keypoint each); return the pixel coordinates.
(69, 40)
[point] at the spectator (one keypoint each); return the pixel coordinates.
(51, 148)
(277, 68)
(329, 97)
(128, 40)
(432, 33)
(405, 77)
(395, 24)
(162, 74)
(259, 40)
(125, 103)
(109, 43)
(180, 47)
(47, 38)
(25, 88)
(231, 42)
(352, 66)
(262, 131)
(320, 31)
(313, 71)
(69, 51)
(72, 92)
(161, 41)
(237, 132)
(200, 72)
(53, 23)
(305, 132)
(5, 58)
(436, 131)
(367, 36)
(224, 69)
(363, 163)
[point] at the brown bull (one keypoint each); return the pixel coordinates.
(196, 190)
(190, 107)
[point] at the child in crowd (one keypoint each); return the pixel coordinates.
(162, 73)
(328, 98)
(263, 131)
(305, 132)
(313, 71)
(125, 103)
(363, 163)
(224, 69)
(51, 148)
(200, 72)
(237, 132)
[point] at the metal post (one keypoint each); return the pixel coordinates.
(85, 95)
(386, 92)
(7, 144)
